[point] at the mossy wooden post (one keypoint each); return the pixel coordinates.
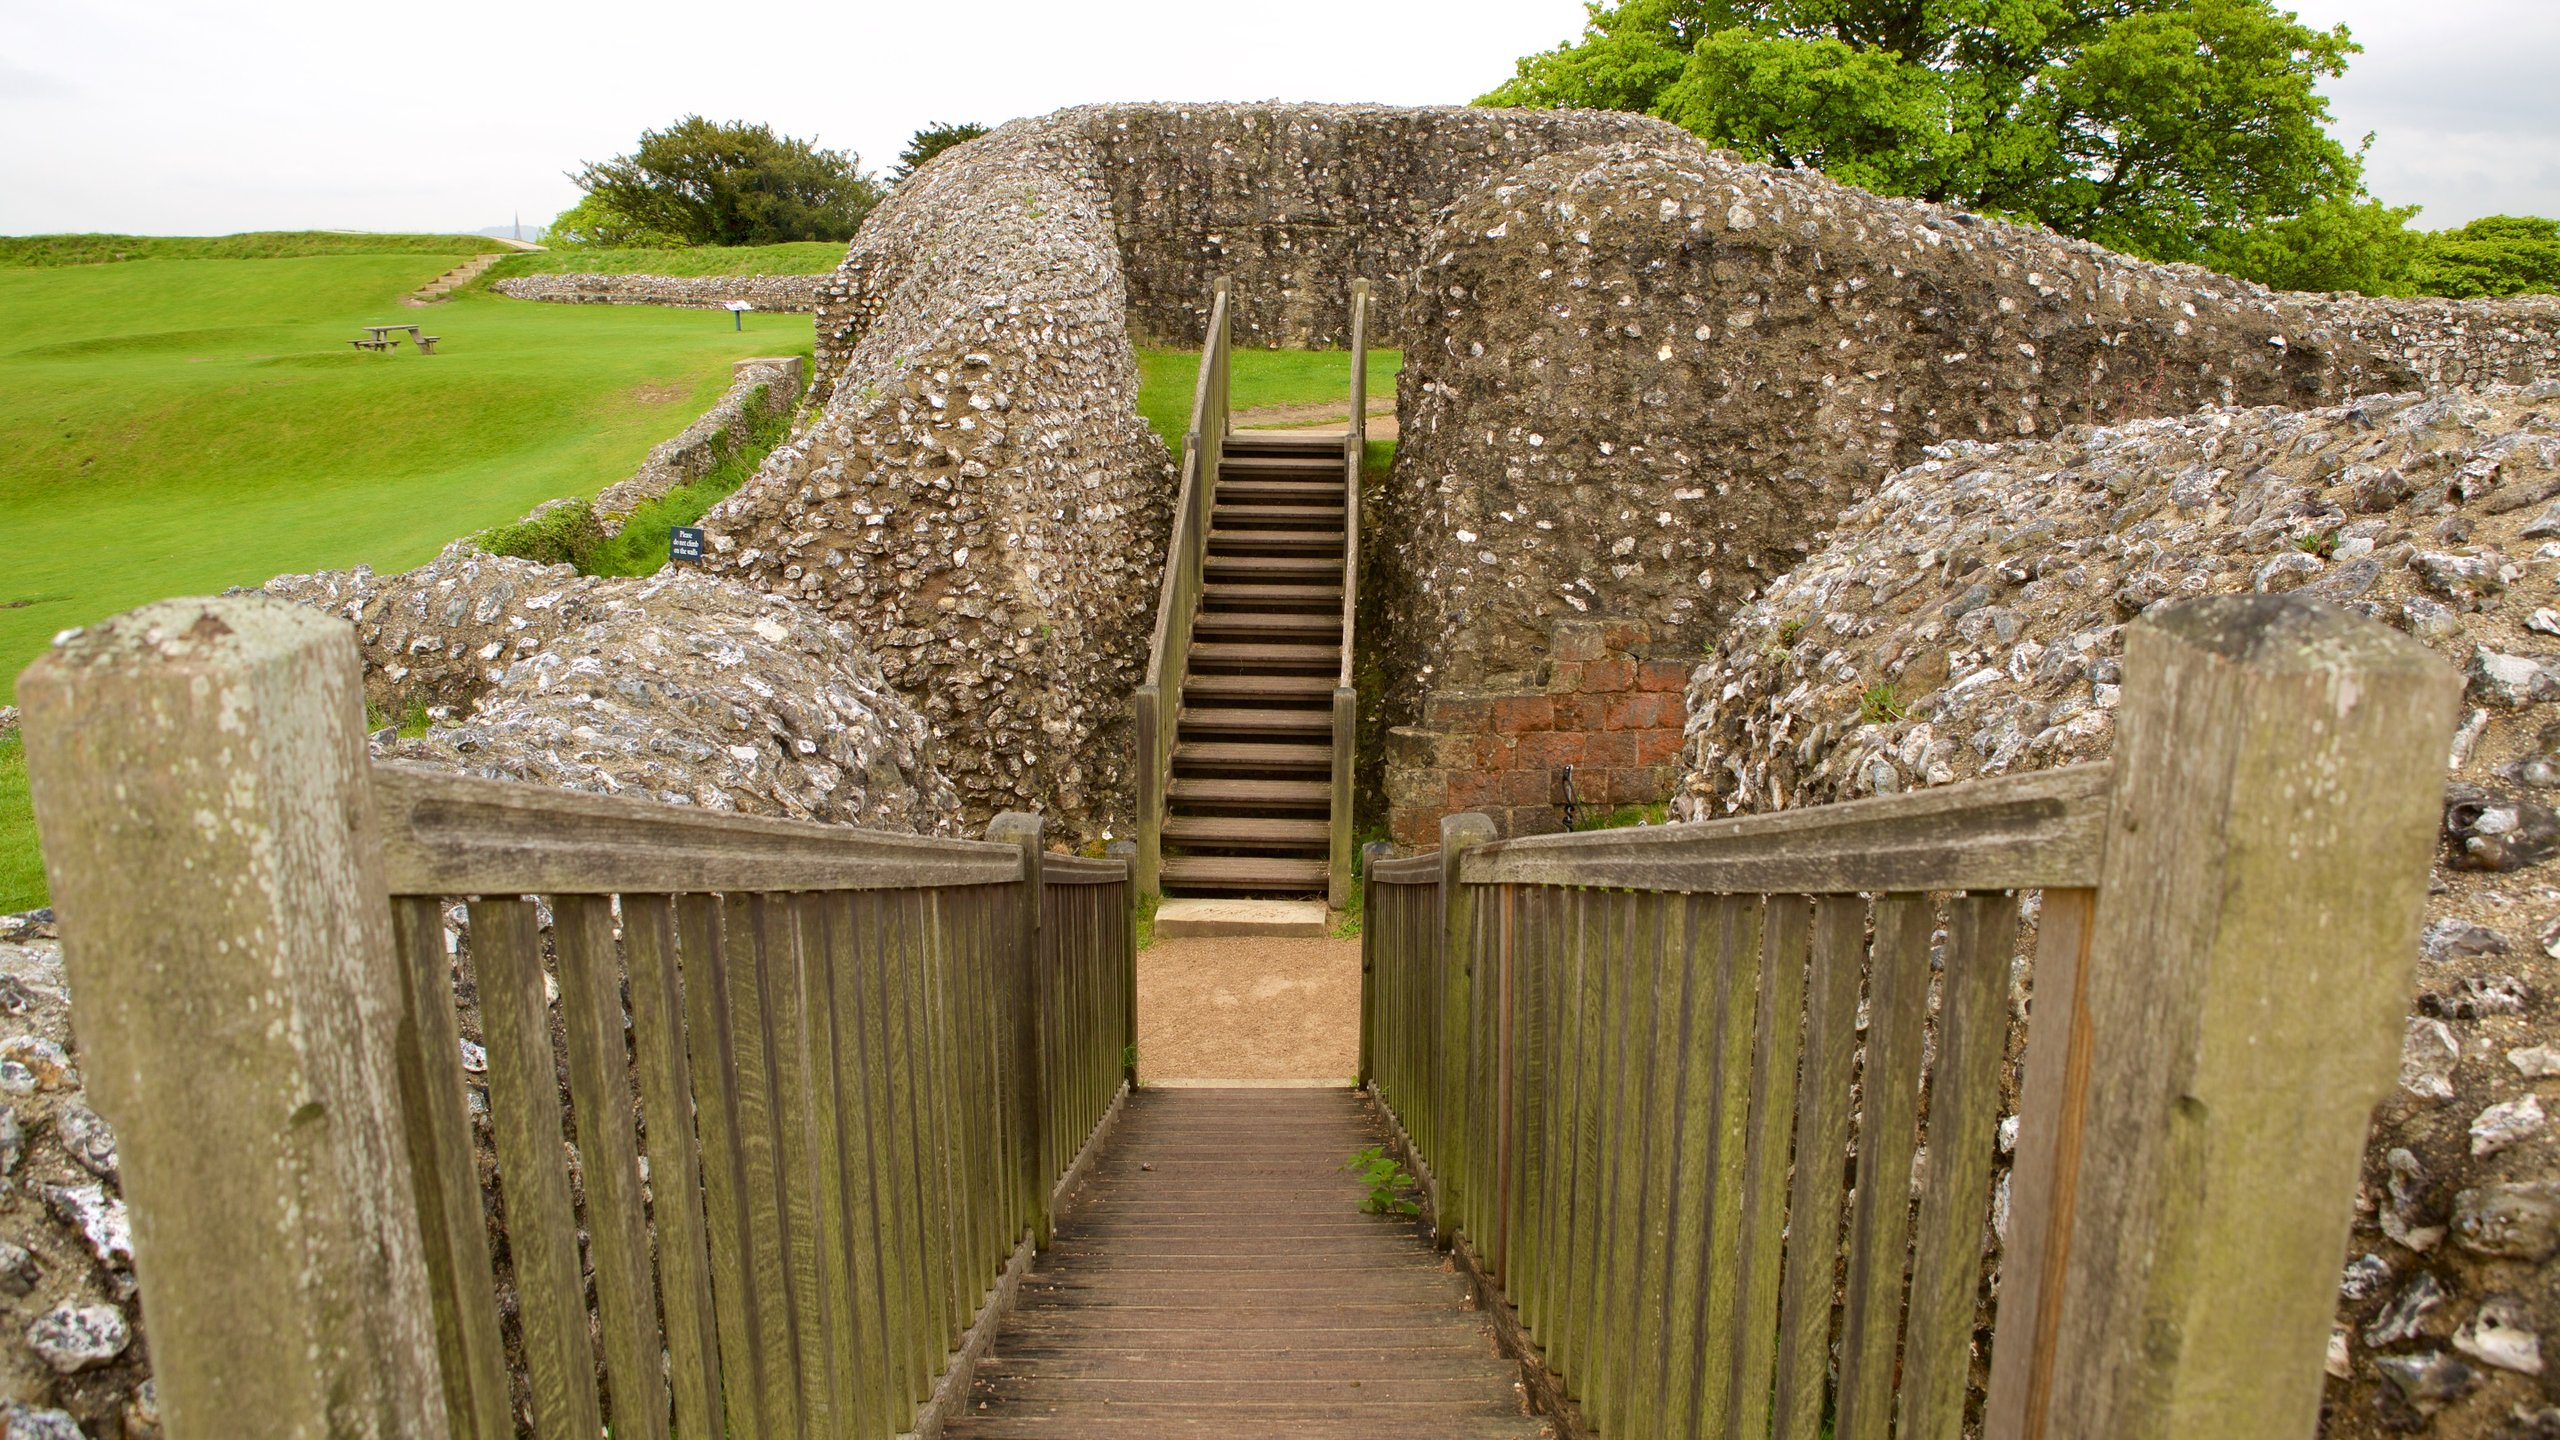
(199, 772)
(1450, 1174)
(1023, 994)
(2277, 787)
(1346, 694)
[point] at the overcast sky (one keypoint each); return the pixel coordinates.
(191, 118)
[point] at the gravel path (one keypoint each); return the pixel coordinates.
(1234, 1009)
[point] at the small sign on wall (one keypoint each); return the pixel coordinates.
(684, 542)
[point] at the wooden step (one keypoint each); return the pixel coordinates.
(1282, 492)
(1269, 659)
(1243, 872)
(1275, 465)
(1266, 624)
(1230, 596)
(1248, 832)
(1298, 517)
(1230, 719)
(1275, 542)
(1256, 687)
(1268, 567)
(1250, 755)
(1284, 441)
(1200, 792)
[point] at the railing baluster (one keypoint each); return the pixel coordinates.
(747, 945)
(1821, 1161)
(442, 1173)
(524, 1110)
(1630, 1035)
(871, 1345)
(600, 1088)
(1664, 1238)
(1761, 1220)
(1888, 1122)
(703, 933)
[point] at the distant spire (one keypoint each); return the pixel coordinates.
(519, 227)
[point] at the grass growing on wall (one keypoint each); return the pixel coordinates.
(807, 257)
(1255, 378)
(21, 866)
(641, 547)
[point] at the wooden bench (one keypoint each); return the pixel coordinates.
(376, 345)
(426, 343)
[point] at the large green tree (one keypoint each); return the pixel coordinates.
(703, 182)
(2159, 127)
(930, 141)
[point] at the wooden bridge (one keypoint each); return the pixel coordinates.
(790, 1130)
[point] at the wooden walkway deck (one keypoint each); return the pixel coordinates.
(1215, 1277)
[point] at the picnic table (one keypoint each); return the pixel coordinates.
(378, 338)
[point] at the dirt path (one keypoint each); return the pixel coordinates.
(1249, 1010)
(1382, 417)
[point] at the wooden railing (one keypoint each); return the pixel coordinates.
(821, 1082)
(1159, 701)
(1346, 695)
(1630, 1065)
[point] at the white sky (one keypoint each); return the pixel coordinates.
(200, 118)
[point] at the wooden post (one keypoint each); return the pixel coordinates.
(1145, 864)
(200, 776)
(1449, 1169)
(1126, 852)
(1030, 1027)
(2277, 787)
(1370, 855)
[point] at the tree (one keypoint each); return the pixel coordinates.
(928, 142)
(2158, 127)
(2493, 255)
(698, 182)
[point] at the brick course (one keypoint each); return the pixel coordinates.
(1501, 749)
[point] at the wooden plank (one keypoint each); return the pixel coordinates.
(2279, 800)
(2052, 1098)
(897, 1159)
(1694, 1217)
(675, 1161)
(793, 995)
(869, 1198)
(1738, 990)
(447, 834)
(2014, 831)
(445, 1179)
(1571, 1355)
(1082, 870)
(524, 1111)
(1454, 938)
(1552, 971)
(1670, 983)
(1821, 1159)
(1888, 1125)
(702, 931)
(933, 1117)
(1761, 1219)
(198, 770)
(1632, 962)
(747, 946)
(1964, 1108)
(600, 1089)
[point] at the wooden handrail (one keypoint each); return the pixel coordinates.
(1159, 699)
(1346, 694)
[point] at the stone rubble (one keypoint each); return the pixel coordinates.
(677, 687)
(1967, 620)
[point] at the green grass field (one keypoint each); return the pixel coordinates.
(808, 257)
(1255, 378)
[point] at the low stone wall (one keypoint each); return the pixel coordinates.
(1647, 376)
(1501, 750)
(790, 294)
(758, 390)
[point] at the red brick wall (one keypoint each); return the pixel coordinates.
(1594, 705)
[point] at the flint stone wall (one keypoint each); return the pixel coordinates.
(1980, 597)
(675, 687)
(789, 294)
(1645, 376)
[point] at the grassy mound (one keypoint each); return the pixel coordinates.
(38, 251)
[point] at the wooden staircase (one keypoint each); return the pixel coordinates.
(1250, 804)
(1245, 720)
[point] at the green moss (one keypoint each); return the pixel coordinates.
(1882, 706)
(1620, 817)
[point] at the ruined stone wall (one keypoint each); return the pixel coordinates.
(1294, 201)
(789, 294)
(978, 498)
(1647, 376)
